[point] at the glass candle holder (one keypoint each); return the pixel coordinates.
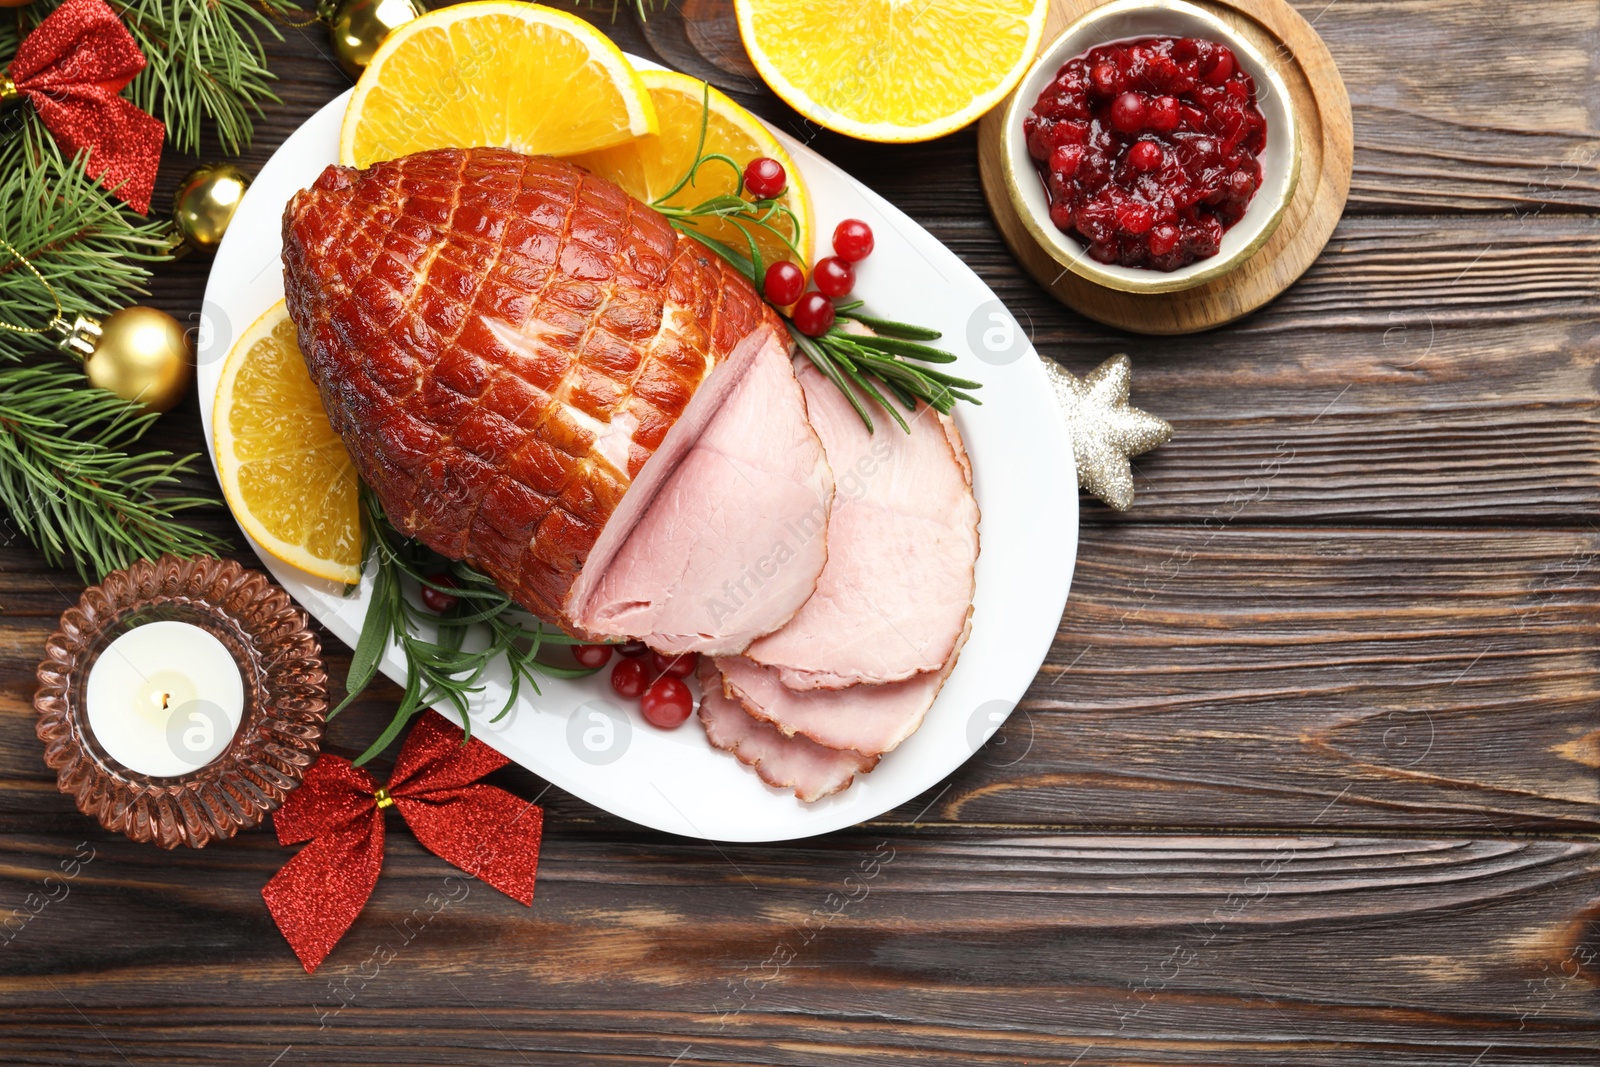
(244, 775)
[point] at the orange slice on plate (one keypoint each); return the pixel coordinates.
(650, 166)
(284, 472)
(887, 70)
(497, 73)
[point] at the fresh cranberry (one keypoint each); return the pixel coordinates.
(629, 678)
(632, 648)
(852, 240)
(1127, 113)
(813, 314)
(1145, 155)
(833, 277)
(437, 601)
(783, 284)
(667, 703)
(592, 656)
(675, 666)
(764, 177)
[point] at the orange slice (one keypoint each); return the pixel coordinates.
(284, 472)
(497, 73)
(889, 70)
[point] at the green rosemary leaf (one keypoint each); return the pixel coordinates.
(867, 387)
(440, 671)
(376, 631)
(824, 363)
(392, 732)
(735, 259)
(888, 327)
(898, 347)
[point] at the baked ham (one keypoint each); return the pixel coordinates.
(868, 719)
(516, 353)
(733, 543)
(811, 770)
(902, 547)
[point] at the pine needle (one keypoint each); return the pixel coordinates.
(72, 486)
(205, 61)
(93, 251)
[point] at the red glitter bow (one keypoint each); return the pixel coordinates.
(483, 830)
(71, 69)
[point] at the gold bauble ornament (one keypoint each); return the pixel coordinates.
(358, 27)
(1105, 430)
(205, 202)
(139, 353)
(15, 3)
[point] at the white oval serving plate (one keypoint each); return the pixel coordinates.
(578, 734)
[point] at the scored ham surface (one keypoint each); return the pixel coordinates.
(733, 543)
(516, 353)
(902, 548)
(811, 770)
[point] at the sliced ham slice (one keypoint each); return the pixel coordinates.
(870, 719)
(902, 544)
(733, 542)
(797, 763)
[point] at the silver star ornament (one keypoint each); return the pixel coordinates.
(1105, 431)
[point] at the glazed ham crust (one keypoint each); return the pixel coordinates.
(503, 342)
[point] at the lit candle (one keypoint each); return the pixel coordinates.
(165, 699)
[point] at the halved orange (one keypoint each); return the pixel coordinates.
(496, 73)
(891, 70)
(284, 472)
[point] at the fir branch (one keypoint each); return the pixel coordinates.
(70, 483)
(89, 248)
(438, 668)
(205, 61)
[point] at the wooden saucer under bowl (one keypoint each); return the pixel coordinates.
(1322, 109)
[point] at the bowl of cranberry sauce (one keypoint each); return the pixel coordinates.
(1151, 148)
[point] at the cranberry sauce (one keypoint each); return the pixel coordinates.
(1148, 149)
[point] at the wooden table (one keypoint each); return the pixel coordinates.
(1309, 777)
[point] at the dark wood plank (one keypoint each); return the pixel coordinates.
(1218, 674)
(1355, 606)
(963, 945)
(1466, 121)
(1419, 371)
(1232, 675)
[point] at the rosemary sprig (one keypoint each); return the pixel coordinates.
(439, 670)
(879, 355)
